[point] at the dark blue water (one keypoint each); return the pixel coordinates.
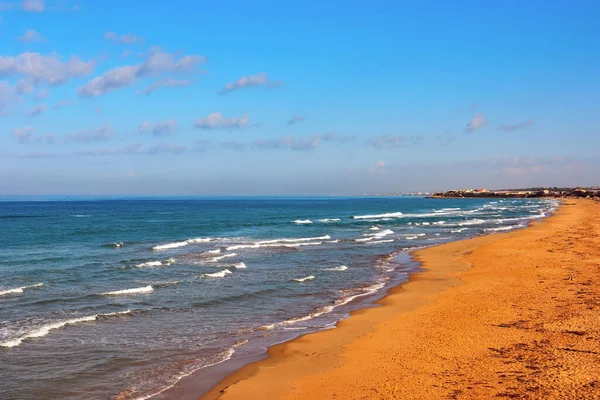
(101, 297)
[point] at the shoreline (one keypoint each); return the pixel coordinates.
(304, 363)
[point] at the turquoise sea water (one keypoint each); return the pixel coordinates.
(106, 296)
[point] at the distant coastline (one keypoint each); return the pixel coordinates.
(569, 193)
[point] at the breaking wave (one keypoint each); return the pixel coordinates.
(45, 329)
(374, 216)
(174, 245)
(145, 289)
(220, 274)
(19, 289)
(306, 278)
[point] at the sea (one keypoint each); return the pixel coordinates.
(123, 298)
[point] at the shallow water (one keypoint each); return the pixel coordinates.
(101, 297)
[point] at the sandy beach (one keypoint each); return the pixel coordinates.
(512, 315)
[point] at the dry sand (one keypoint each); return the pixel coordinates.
(514, 315)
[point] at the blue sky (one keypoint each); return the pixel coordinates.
(296, 98)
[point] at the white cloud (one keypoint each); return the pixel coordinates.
(165, 83)
(302, 144)
(379, 168)
(156, 63)
(294, 119)
(31, 35)
(24, 135)
(35, 111)
(33, 5)
(258, 80)
(105, 132)
(478, 122)
(50, 69)
(163, 128)
(216, 120)
(114, 79)
(9, 96)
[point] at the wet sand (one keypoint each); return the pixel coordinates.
(512, 315)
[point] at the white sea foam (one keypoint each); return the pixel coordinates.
(472, 222)
(458, 230)
(140, 290)
(45, 329)
(306, 278)
(503, 228)
(176, 245)
(216, 251)
(326, 237)
(280, 243)
(329, 220)
(19, 289)
(240, 265)
(340, 268)
(411, 237)
(220, 274)
(228, 255)
(374, 216)
(302, 221)
(372, 236)
(329, 308)
(156, 263)
(374, 228)
(381, 241)
(150, 264)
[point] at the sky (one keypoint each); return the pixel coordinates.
(297, 98)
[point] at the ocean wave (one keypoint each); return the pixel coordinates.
(302, 221)
(156, 263)
(374, 228)
(216, 251)
(306, 278)
(175, 245)
(340, 268)
(329, 220)
(280, 243)
(19, 289)
(504, 228)
(240, 265)
(372, 236)
(190, 369)
(374, 216)
(228, 255)
(472, 222)
(220, 274)
(82, 215)
(145, 289)
(347, 296)
(45, 329)
(381, 241)
(458, 230)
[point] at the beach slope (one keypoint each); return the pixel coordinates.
(512, 315)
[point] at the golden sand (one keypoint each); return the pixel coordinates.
(513, 315)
